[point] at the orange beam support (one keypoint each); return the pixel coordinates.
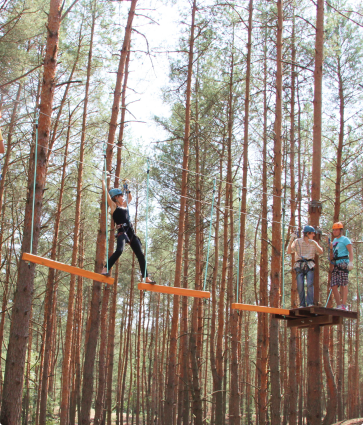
(65, 268)
(261, 309)
(172, 290)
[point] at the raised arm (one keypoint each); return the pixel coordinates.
(129, 196)
(292, 238)
(110, 202)
(319, 249)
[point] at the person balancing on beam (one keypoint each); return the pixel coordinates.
(341, 256)
(124, 229)
(306, 249)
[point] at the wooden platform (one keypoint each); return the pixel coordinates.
(315, 316)
(173, 290)
(69, 269)
(302, 317)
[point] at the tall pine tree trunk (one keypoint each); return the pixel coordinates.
(171, 374)
(19, 331)
(51, 291)
(276, 231)
(314, 352)
(263, 340)
(293, 384)
(94, 317)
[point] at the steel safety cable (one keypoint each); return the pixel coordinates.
(106, 209)
(239, 237)
(210, 232)
(35, 179)
(172, 165)
(147, 217)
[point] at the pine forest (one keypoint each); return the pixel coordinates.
(181, 199)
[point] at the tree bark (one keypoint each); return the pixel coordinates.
(293, 384)
(51, 292)
(263, 340)
(94, 317)
(276, 231)
(234, 401)
(19, 331)
(216, 365)
(314, 355)
(8, 152)
(64, 405)
(100, 399)
(171, 374)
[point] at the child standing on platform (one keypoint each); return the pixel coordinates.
(341, 256)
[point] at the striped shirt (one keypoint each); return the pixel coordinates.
(305, 251)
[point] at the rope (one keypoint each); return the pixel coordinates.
(177, 167)
(35, 179)
(239, 237)
(331, 289)
(147, 217)
(283, 256)
(106, 218)
(209, 237)
(186, 197)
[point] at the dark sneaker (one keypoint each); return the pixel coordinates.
(105, 272)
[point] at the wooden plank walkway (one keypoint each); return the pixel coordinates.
(69, 269)
(260, 309)
(173, 290)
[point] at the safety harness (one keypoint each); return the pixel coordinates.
(123, 227)
(334, 261)
(303, 261)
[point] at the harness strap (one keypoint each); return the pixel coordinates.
(305, 260)
(344, 257)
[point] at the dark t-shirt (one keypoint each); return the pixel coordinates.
(120, 216)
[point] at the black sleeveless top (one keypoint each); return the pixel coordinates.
(120, 216)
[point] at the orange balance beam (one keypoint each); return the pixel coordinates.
(65, 268)
(173, 290)
(261, 309)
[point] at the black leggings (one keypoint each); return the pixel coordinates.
(135, 246)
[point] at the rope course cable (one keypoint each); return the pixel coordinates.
(239, 237)
(173, 165)
(185, 197)
(209, 237)
(35, 178)
(106, 209)
(182, 196)
(146, 219)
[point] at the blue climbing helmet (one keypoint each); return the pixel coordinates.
(114, 192)
(308, 229)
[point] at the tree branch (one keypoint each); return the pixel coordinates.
(68, 10)
(22, 76)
